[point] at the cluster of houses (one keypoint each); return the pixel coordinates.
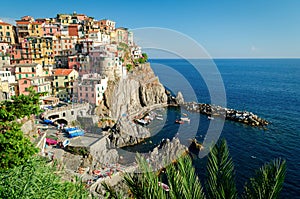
(70, 57)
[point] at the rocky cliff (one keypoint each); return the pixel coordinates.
(141, 88)
(128, 96)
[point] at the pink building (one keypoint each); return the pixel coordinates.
(50, 29)
(39, 84)
(15, 52)
(91, 88)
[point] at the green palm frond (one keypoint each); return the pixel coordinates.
(221, 178)
(268, 181)
(146, 183)
(183, 181)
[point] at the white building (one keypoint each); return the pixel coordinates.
(7, 76)
(136, 52)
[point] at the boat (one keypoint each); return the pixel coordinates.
(76, 134)
(186, 119)
(159, 118)
(142, 122)
(252, 156)
(50, 141)
(66, 143)
(210, 118)
(184, 114)
(179, 121)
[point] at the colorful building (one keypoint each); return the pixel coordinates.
(91, 88)
(64, 83)
(7, 84)
(7, 33)
(39, 84)
(28, 70)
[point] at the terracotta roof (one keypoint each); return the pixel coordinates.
(62, 72)
(4, 24)
(22, 22)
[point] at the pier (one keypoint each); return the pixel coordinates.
(212, 111)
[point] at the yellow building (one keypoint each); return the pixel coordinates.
(35, 29)
(7, 33)
(64, 83)
(39, 50)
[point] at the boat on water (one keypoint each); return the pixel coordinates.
(185, 119)
(185, 114)
(159, 118)
(142, 121)
(179, 121)
(210, 118)
(252, 156)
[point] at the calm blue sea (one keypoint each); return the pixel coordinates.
(269, 88)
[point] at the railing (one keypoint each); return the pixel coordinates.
(69, 107)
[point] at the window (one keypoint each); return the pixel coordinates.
(87, 95)
(86, 89)
(66, 77)
(72, 112)
(25, 81)
(80, 94)
(20, 76)
(80, 88)
(56, 84)
(26, 75)
(64, 114)
(0, 27)
(32, 69)
(92, 94)
(56, 77)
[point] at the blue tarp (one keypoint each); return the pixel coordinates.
(75, 134)
(48, 122)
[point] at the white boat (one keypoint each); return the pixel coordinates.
(66, 143)
(210, 118)
(159, 118)
(141, 121)
(186, 119)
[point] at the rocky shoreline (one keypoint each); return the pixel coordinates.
(212, 111)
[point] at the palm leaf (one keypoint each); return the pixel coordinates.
(183, 181)
(268, 181)
(221, 178)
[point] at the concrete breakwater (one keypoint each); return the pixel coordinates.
(229, 114)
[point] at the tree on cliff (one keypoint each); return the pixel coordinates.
(182, 182)
(15, 148)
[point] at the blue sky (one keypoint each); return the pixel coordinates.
(224, 28)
